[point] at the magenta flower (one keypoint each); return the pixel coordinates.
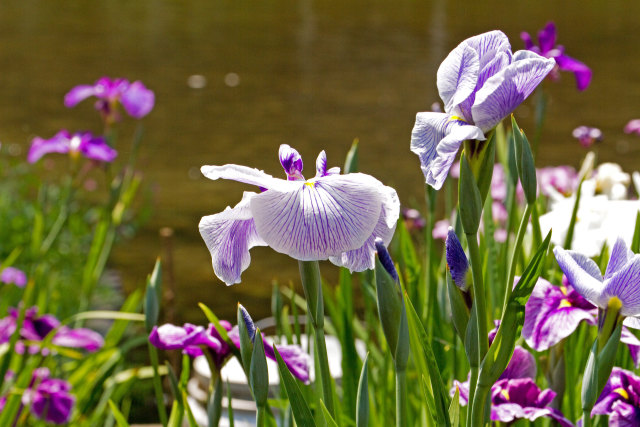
(12, 275)
(587, 136)
(134, 97)
(481, 82)
(95, 148)
(620, 399)
(557, 179)
(413, 219)
(193, 339)
(49, 398)
(548, 48)
(633, 127)
(330, 216)
(36, 328)
(513, 399)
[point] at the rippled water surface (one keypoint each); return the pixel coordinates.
(314, 75)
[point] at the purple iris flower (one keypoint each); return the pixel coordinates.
(548, 48)
(557, 179)
(621, 279)
(330, 216)
(413, 219)
(513, 399)
(36, 328)
(587, 135)
(92, 147)
(192, 339)
(620, 399)
(481, 82)
(633, 127)
(136, 99)
(49, 398)
(12, 275)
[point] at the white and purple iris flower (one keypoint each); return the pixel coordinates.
(620, 399)
(547, 47)
(91, 147)
(481, 82)
(134, 97)
(621, 279)
(330, 216)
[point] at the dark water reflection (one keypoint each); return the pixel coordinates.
(315, 75)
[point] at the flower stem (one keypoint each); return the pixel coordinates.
(586, 418)
(473, 380)
(479, 404)
(312, 285)
(479, 297)
(401, 398)
(260, 418)
(517, 249)
(157, 385)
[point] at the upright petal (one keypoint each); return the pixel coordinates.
(137, 100)
(246, 175)
(457, 75)
(625, 285)
(521, 365)
(503, 92)
(321, 217)
(620, 255)
(291, 162)
(436, 138)
(528, 42)
(580, 70)
(78, 94)
(229, 235)
(580, 272)
(547, 37)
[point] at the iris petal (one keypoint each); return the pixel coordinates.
(436, 138)
(229, 235)
(620, 255)
(137, 100)
(504, 91)
(319, 218)
(580, 70)
(78, 94)
(363, 258)
(247, 175)
(625, 285)
(59, 143)
(580, 271)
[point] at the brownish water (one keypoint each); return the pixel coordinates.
(314, 75)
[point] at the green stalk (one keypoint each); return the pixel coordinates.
(260, 417)
(312, 286)
(479, 297)
(586, 418)
(401, 398)
(479, 404)
(473, 380)
(517, 249)
(157, 385)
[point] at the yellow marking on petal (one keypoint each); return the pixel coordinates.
(564, 290)
(564, 303)
(505, 393)
(460, 119)
(310, 184)
(622, 392)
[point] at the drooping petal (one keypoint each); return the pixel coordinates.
(78, 338)
(504, 91)
(78, 94)
(229, 235)
(364, 258)
(625, 285)
(620, 255)
(580, 70)
(550, 316)
(633, 343)
(98, 149)
(457, 75)
(59, 143)
(137, 100)
(319, 218)
(580, 271)
(246, 175)
(436, 138)
(293, 356)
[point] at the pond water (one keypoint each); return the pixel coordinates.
(314, 75)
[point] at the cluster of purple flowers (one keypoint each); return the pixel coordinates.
(134, 97)
(193, 340)
(36, 328)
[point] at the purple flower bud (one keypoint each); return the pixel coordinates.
(456, 260)
(385, 259)
(251, 328)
